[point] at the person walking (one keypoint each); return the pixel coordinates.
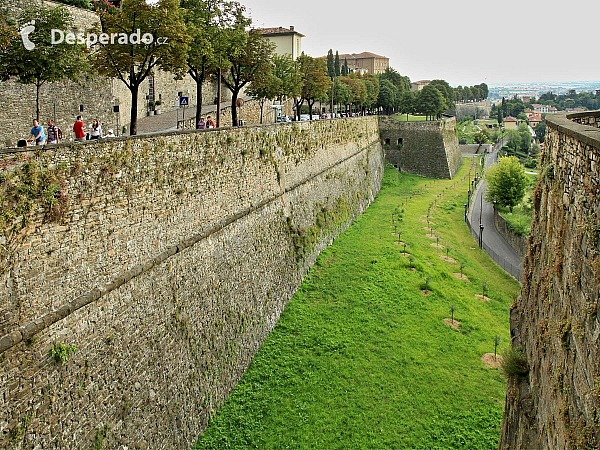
(79, 129)
(37, 133)
(95, 130)
(53, 137)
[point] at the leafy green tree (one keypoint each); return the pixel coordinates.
(540, 131)
(315, 81)
(446, 91)
(430, 101)
(481, 138)
(336, 64)
(247, 62)
(132, 63)
(342, 94)
(330, 64)
(387, 95)
(211, 25)
(288, 72)
(47, 62)
(372, 85)
(496, 343)
(345, 68)
(401, 82)
(406, 103)
(506, 182)
(265, 86)
(500, 117)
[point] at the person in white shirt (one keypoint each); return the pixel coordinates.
(95, 130)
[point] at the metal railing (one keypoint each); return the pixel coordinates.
(508, 267)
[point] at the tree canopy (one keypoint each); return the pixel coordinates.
(133, 62)
(49, 62)
(506, 182)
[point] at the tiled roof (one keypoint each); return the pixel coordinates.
(510, 119)
(277, 30)
(361, 56)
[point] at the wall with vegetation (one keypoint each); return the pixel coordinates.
(139, 276)
(428, 148)
(518, 242)
(553, 395)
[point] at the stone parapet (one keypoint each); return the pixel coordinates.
(555, 320)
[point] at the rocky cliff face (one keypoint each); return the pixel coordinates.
(555, 321)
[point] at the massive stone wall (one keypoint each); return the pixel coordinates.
(477, 109)
(166, 260)
(555, 321)
(428, 148)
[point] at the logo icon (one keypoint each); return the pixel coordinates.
(27, 29)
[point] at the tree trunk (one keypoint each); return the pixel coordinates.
(262, 104)
(199, 83)
(134, 110)
(234, 119)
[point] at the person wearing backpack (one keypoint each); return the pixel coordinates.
(53, 133)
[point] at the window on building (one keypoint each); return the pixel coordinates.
(399, 142)
(387, 141)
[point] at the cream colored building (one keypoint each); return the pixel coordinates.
(365, 62)
(287, 40)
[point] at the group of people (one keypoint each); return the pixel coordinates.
(202, 124)
(53, 136)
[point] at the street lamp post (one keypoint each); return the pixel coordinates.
(466, 209)
(481, 227)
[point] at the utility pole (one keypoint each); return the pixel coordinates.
(332, 88)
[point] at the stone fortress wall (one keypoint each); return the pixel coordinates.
(166, 260)
(482, 109)
(555, 321)
(428, 148)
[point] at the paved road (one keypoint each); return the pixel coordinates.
(491, 237)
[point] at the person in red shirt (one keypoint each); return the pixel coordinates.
(79, 129)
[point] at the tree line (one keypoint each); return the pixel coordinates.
(208, 40)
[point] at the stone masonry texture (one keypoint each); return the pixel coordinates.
(429, 149)
(165, 260)
(555, 320)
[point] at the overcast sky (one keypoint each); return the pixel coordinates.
(462, 41)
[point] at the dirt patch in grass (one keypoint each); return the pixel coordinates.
(491, 361)
(436, 245)
(483, 298)
(426, 292)
(452, 323)
(431, 236)
(462, 276)
(428, 229)
(405, 254)
(448, 259)
(428, 223)
(399, 243)
(412, 269)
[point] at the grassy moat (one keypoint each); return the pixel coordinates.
(362, 358)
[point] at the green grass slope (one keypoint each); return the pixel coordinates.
(361, 358)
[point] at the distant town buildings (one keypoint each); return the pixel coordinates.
(287, 40)
(366, 62)
(511, 123)
(418, 85)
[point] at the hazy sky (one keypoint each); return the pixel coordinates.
(463, 41)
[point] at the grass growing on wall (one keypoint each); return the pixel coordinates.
(411, 118)
(361, 357)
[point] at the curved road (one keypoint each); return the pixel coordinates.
(491, 238)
